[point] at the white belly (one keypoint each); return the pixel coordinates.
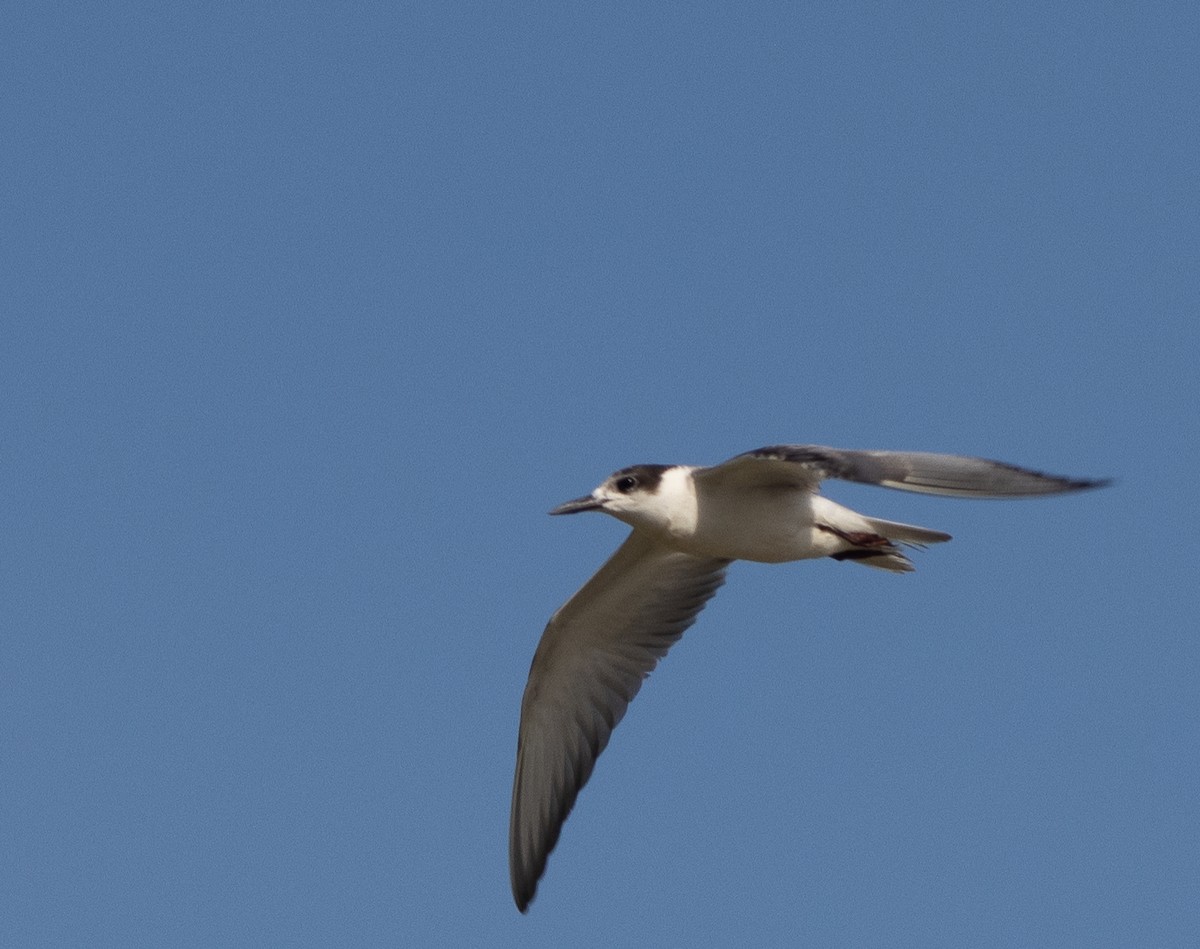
(768, 525)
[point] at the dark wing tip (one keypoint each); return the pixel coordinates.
(527, 866)
(524, 879)
(1055, 483)
(1088, 484)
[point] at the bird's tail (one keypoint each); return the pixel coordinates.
(879, 549)
(907, 533)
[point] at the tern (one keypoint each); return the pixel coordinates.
(689, 523)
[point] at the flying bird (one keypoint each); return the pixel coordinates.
(689, 523)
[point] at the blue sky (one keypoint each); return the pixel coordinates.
(311, 312)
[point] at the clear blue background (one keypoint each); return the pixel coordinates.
(311, 311)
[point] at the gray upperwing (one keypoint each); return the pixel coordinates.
(923, 472)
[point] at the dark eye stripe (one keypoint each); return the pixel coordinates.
(642, 477)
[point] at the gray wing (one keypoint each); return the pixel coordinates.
(923, 472)
(589, 665)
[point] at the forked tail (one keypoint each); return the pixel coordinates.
(878, 547)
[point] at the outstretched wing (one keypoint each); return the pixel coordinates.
(923, 472)
(589, 665)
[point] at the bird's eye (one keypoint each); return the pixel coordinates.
(626, 484)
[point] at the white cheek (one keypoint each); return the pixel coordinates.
(622, 512)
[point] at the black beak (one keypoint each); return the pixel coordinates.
(587, 503)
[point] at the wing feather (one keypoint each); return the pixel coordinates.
(922, 472)
(589, 665)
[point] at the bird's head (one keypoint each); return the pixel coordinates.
(632, 495)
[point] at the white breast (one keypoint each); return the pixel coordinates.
(769, 524)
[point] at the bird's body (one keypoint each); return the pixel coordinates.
(766, 523)
(689, 523)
